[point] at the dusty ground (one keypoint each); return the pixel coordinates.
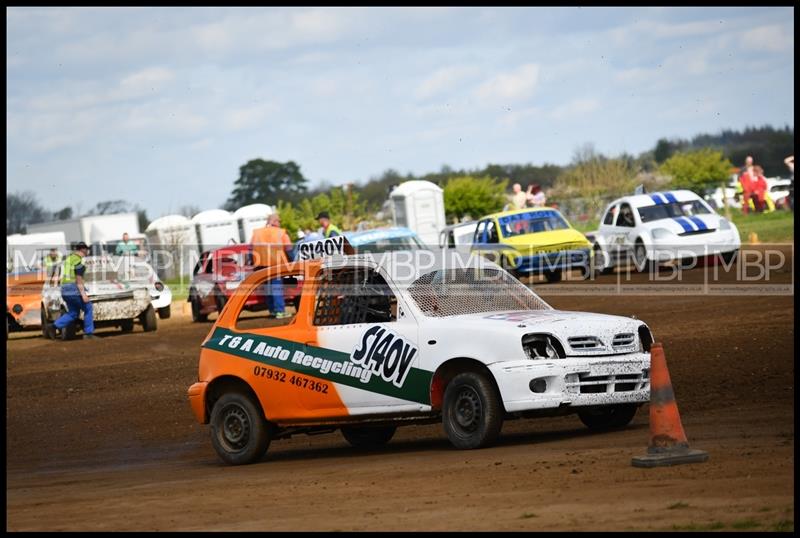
(100, 437)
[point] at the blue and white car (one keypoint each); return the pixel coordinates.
(384, 240)
(661, 227)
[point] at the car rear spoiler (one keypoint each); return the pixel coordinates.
(324, 248)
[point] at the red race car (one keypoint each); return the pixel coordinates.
(217, 275)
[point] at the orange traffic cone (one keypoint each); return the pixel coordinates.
(668, 445)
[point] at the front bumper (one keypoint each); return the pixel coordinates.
(551, 261)
(574, 382)
(711, 244)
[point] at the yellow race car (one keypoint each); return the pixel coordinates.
(533, 241)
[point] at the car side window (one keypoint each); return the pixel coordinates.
(491, 232)
(353, 295)
(609, 218)
(625, 217)
(256, 313)
(479, 232)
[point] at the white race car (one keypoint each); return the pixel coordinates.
(661, 227)
(141, 272)
(382, 340)
(116, 300)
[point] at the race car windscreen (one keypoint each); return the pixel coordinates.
(472, 290)
(391, 244)
(674, 209)
(531, 222)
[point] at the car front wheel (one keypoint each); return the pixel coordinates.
(239, 432)
(472, 414)
(196, 315)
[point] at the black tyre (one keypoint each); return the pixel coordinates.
(640, 258)
(553, 276)
(608, 417)
(126, 325)
(601, 262)
(148, 319)
(368, 436)
(220, 299)
(165, 312)
(472, 414)
(68, 332)
(728, 257)
(43, 319)
(239, 432)
(196, 315)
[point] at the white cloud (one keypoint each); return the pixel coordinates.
(515, 85)
(247, 117)
(575, 108)
(443, 80)
(771, 38)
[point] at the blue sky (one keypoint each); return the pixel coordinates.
(161, 106)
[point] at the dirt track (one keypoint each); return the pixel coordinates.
(100, 437)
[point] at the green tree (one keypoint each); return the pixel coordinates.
(266, 182)
(474, 197)
(696, 170)
(22, 209)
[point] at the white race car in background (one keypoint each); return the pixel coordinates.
(142, 272)
(117, 301)
(662, 227)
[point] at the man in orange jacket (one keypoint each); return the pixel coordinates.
(271, 244)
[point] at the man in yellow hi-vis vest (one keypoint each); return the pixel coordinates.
(328, 228)
(74, 293)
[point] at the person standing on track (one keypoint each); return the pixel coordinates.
(272, 246)
(74, 294)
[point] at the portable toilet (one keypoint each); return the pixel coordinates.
(419, 206)
(215, 228)
(173, 245)
(251, 217)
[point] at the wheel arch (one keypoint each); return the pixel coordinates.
(451, 368)
(229, 383)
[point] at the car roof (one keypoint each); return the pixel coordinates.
(519, 212)
(370, 236)
(655, 198)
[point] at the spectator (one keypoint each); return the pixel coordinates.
(51, 261)
(271, 246)
(518, 198)
(126, 246)
(759, 189)
(537, 197)
(789, 162)
(328, 228)
(747, 181)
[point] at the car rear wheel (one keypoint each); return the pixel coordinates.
(239, 431)
(608, 417)
(472, 414)
(640, 258)
(368, 436)
(165, 312)
(553, 276)
(148, 319)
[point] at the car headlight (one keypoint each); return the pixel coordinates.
(159, 286)
(662, 233)
(724, 224)
(541, 346)
(232, 284)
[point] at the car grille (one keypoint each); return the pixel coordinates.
(600, 384)
(585, 342)
(623, 340)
